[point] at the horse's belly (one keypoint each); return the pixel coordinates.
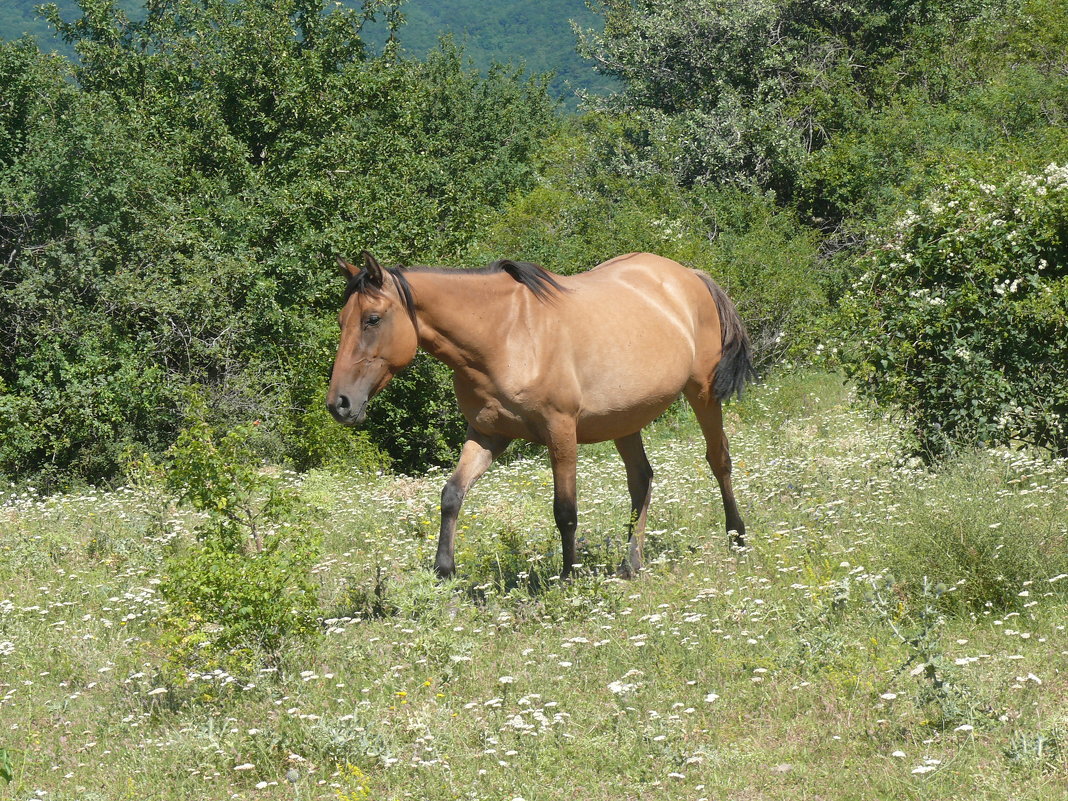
(597, 423)
(622, 392)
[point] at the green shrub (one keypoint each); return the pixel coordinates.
(243, 587)
(998, 86)
(960, 320)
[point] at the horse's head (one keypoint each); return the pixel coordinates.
(378, 339)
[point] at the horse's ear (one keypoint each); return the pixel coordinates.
(373, 269)
(348, 269)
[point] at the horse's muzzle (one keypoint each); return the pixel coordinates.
(345, 413)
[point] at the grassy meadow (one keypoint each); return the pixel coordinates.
(892, 632)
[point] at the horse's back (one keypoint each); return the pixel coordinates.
(642, 267)
(631, 334)
(645, 294)
(638, 280)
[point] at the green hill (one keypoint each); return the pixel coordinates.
(535, 35)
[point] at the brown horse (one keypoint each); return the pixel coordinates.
(554, 360)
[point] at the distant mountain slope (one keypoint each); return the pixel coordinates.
(19, 17)
(535, 34)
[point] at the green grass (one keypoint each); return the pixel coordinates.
(798, 669)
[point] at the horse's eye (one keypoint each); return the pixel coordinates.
(373, 319)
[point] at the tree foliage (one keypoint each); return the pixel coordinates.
(744, 91)
(170, 202)
(165, 199)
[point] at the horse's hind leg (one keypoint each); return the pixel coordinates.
(709, 413)
(477, 455)
(639, 483)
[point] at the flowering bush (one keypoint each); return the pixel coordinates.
(961, 318)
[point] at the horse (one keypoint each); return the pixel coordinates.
(556, 360)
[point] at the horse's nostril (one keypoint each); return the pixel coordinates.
(342, 403)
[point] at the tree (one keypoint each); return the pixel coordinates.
(744, 91)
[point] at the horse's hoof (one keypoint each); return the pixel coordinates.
(445, 571)
(625, 571)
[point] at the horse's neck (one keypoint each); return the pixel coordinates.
(461, 316)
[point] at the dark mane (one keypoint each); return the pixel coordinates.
(533, 276)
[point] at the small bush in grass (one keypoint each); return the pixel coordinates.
(243, 586)
(960, 319)
(512, 560)
(971, 533)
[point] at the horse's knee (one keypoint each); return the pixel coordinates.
(452, 497)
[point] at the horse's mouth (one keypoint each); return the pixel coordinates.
(349, 416)
(354, 418)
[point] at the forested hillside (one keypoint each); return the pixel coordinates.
(536, 35)
(20, 17)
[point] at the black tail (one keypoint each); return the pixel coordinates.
(735, 367)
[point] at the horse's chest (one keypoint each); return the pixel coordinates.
(487, 413)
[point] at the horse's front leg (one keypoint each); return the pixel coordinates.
(477, 455)
(563, 455)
